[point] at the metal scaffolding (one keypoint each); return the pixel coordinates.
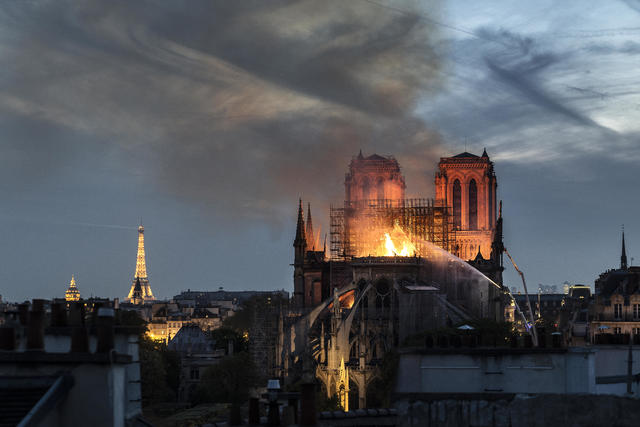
(421, 219)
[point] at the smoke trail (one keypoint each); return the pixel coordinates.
(240, 107)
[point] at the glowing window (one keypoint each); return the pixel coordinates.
(473, 205)
(457, 204)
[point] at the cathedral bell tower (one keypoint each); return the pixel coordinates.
(467, 185)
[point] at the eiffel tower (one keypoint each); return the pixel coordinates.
(141, 272)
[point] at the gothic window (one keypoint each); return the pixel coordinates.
(636, 311)
(380, 187)
(473, 205)
(457, 204)
(365, 189)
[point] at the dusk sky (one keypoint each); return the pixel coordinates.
(209, 119)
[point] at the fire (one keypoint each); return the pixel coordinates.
(386, 242)
(397, 243)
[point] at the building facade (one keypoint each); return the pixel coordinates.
(467, 184)
(390, 272)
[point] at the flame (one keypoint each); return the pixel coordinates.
(399, 244)
(387, 242)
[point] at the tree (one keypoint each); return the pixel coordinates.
(159, 371)
(225, 334)
(228, 381)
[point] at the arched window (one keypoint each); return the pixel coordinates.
(457, 204)
(473, 205)
(380, 187)
(365, 189)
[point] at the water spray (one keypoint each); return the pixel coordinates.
(528, 325)
(531, 329)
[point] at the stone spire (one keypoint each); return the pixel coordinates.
(137, 297)
(72, 294)
(623, 257)
(300, 234)
(309, 231)
(141, 271)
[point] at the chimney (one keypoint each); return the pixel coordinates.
(7, 338)
(58, 314)
(76, 314)
(308, 405)
(35, 326)
(105, 330)
(23, 313)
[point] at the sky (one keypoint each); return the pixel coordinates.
(208, 120)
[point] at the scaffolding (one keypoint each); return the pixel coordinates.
(421, 219)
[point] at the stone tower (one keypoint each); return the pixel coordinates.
(141, 271)
(374, 178)
(467, 184)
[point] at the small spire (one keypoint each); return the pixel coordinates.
(300, 237)
(309, 231)
(484, 153)
(360, 156)
(623, 257)
(479, 256)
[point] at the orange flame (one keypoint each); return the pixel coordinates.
(397, 243)
(394, 242)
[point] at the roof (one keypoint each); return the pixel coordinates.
(191, 339)
(465, 154)
(376, 157)
(622, 282)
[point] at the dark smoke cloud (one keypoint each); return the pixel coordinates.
(239, 106)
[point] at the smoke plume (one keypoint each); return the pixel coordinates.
(238, 106)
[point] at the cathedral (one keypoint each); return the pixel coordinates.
(394, 267)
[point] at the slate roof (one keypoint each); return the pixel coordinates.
(466, 154)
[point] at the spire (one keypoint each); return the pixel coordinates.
(309, 231)
(360, 156)
(300, 237)
(497, 246)
(484, 153)
(137, 292)
(623, 257)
